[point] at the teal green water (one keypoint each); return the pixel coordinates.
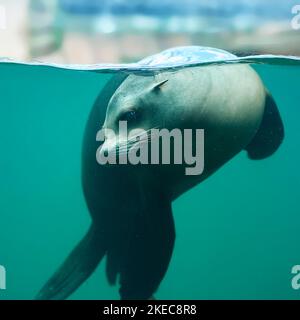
(241, 226)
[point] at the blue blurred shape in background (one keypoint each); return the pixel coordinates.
(126, 31)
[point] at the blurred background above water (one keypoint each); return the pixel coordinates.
(93, 31)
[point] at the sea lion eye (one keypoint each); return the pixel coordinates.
(128, 116)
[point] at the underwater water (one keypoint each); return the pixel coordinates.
(237, 233)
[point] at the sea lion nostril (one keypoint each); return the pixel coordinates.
(105, 152)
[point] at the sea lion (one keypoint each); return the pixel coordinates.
(131, 207)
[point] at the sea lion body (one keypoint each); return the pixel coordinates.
(132, 222)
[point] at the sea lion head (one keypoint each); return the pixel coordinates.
(144, 103)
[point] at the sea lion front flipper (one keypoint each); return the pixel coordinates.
(78, 266)
(149, 251)
(270, 134)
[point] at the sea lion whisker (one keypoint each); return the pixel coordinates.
(146, 133)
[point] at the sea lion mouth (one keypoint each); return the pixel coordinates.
(115, 151)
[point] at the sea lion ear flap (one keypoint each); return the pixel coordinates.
(158, 86)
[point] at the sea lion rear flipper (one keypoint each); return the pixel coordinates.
(78, 266)
(149, 251)
(270, 133)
